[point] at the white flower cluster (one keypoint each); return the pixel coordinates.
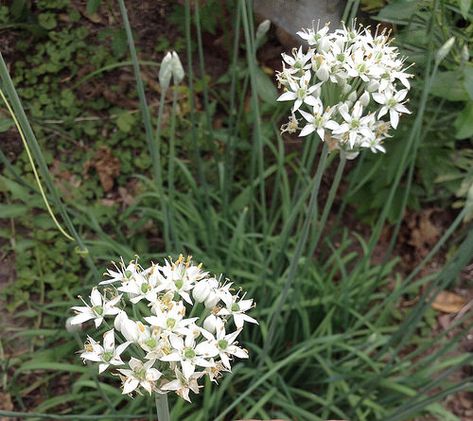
(343, 86)
(171, 321)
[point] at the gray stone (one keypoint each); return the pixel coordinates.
(293, 15)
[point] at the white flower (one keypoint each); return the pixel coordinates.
(358, 66)
(172, 320)
(180, 277)
(316, 38)
(392, 103)
(182, 385)
(318, 120)
(227, 347)
(121, 274)
(190, 355)
(299, 62)
(354, 124)
(99, 309)
(139, 374)
(237, 308)
(140, 287)
(301, 92)
(107, 354)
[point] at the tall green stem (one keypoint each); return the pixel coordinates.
(300, 246)
(258, 147)
(328, 204)
(159, 182)
(162, 407)
(141, 95)
(198, 162)
(172, 158)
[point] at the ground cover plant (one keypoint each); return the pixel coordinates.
(191, 160)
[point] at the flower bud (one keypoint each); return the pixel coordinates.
(465, 53)
(365, 99)
(323, 73)
(165, 71)
(130, 330)
(211, 323)
(212, 300)
(72, 328)
(324, 44)
(201, 291)
(262, 30)
(353, 97)
(444, 50)
(177, 69)
(372, 86)
(346, 89)
(119, 319)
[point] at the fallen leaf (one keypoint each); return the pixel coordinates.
(5, 404)
(106, 165)
(448, 302)
(424, 234)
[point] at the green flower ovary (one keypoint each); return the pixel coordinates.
(235, 307)
(179, 283)
(98, 310)
(145, 288)
(151, 342)
(107, 356)
(222, 344)
(189, 353)
(355, 123)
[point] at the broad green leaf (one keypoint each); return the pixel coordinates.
(449, 85)
(464, 122)
(265, 87)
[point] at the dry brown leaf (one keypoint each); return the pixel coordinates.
(424, 234)
(106, 165)
(448, 302)
(5, 404)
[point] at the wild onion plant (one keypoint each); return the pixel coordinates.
(332, 339)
